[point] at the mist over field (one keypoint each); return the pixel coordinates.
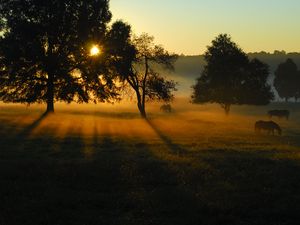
(134, 112)
(105, 163)
(176, 168)
(187, 122)
(189, 68)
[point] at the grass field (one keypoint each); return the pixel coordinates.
(104, 165)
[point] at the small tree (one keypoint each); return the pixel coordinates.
(230, 78)
(44, 51)
(286, 80)
(136, 66)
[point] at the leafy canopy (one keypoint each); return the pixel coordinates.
(229, 77)
(287, 80)
(45, 49)
(136, 66)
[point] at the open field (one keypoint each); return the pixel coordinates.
(104, 165)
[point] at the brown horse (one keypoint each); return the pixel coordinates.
(268, 126)
(279, 113)
(166, 108)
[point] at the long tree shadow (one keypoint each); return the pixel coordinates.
(175, 148)
(147, 191)
(14, 139)
(27, 130)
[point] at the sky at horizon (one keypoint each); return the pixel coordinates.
(188, 26)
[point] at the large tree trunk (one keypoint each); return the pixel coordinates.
(141, 105)
(50, 94)
(50, 106)
(143, 95)
(142, 110)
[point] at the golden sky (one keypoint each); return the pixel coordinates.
(188, 26)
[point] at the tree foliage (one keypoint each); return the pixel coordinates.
(287, 80)
(297, 96)
(230, 78)
(136, 67)
(44, 51)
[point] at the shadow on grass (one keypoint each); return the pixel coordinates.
(125, 183)
(27, 131)
(175, 148)
(113, 115)
(13, 140)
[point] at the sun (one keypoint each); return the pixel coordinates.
(95, 50)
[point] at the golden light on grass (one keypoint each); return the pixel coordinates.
(95, 50)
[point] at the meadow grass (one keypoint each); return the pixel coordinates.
(106, 165)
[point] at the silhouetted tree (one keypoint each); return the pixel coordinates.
(297, 96)
(229, 77)
(254, 89)
(136, 66)
(286, 80)
(44, 51)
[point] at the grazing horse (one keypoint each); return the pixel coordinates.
(279, 113)
(268, 126)
(166, 108)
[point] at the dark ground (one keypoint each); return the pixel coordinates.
(113, 168)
